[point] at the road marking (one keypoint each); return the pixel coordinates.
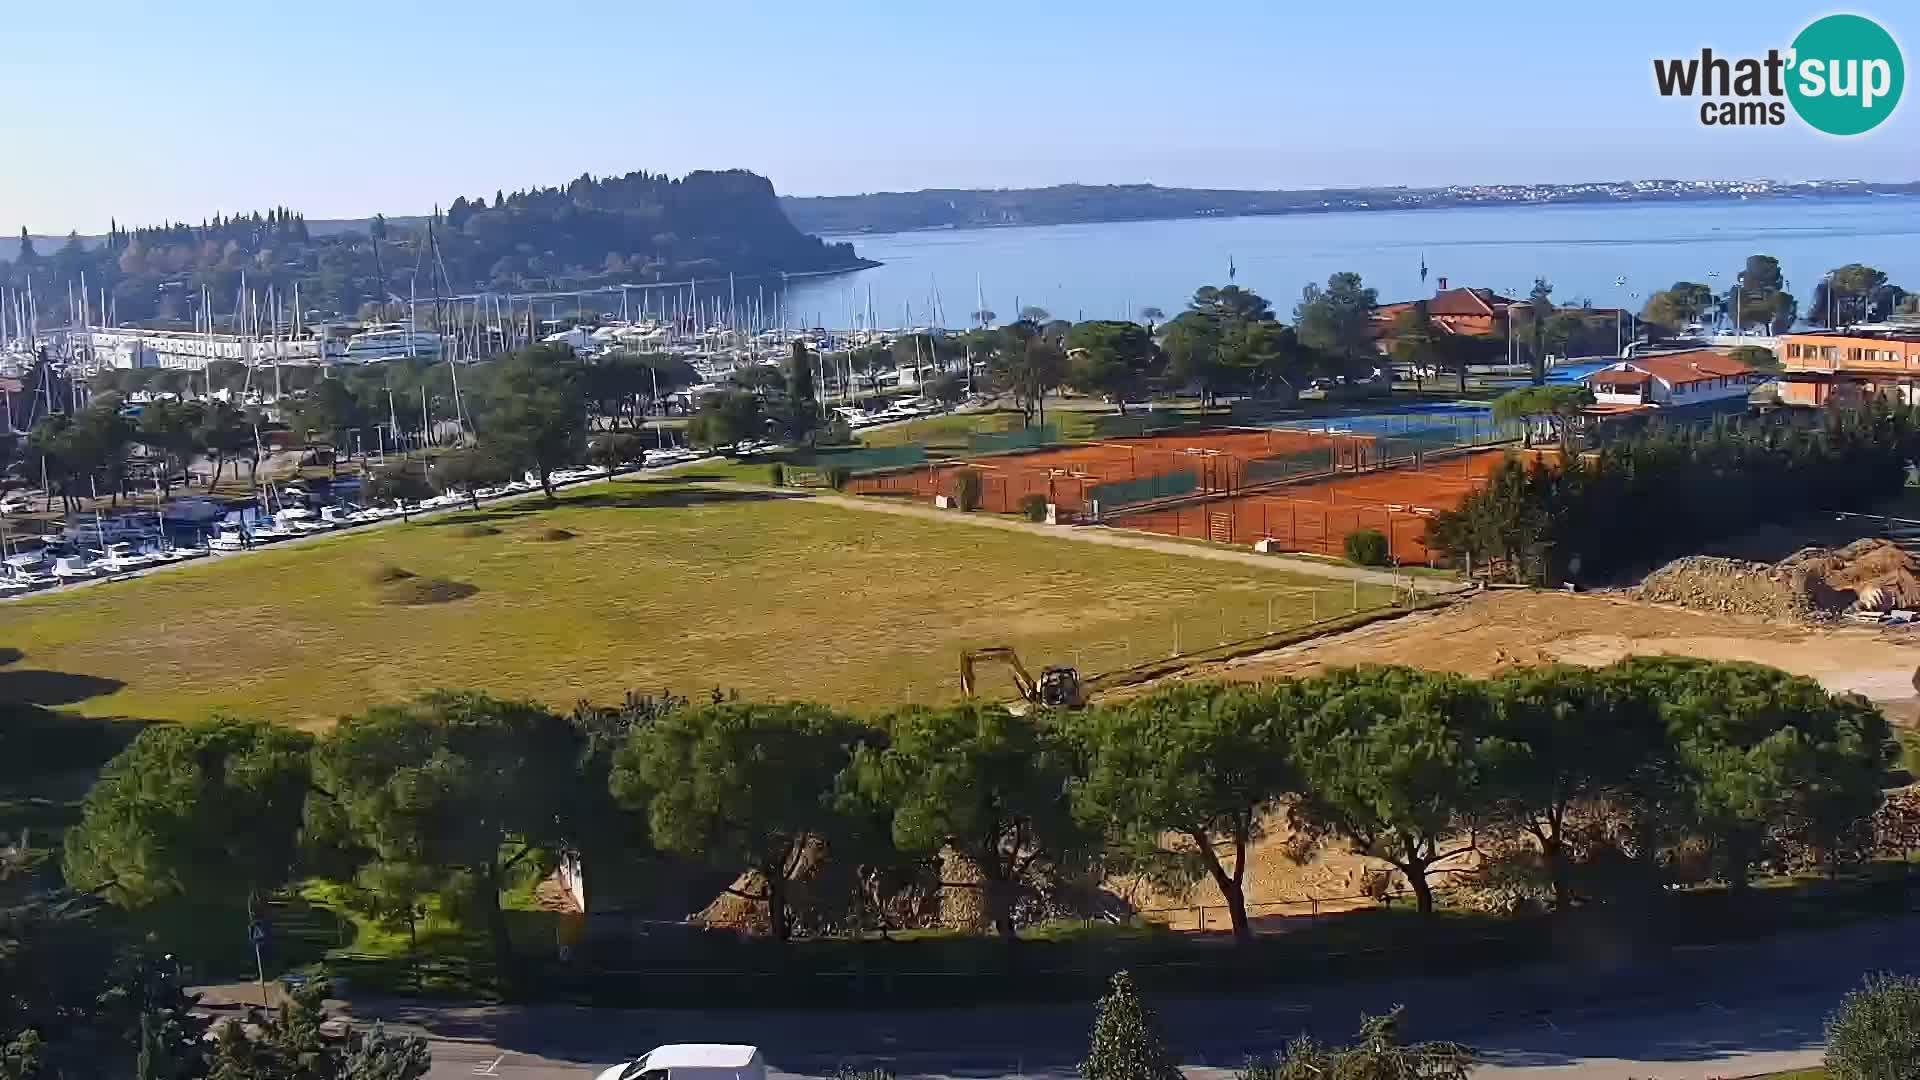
(491, 1068)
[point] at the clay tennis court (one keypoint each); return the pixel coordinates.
(1317, 516)
(1220, 461)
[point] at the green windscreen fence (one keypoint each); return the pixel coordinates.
(1105, 498)
(872, 457)
(991, 442)
(1116, 426)
(1266, 470)
(1419, 441)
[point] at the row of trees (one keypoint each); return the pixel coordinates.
(1847, 294)
(533, 410)
(832, 822)
(1227, 340)
(1662, 492)
(92, 452)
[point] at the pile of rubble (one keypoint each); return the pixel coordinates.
(1866, 576)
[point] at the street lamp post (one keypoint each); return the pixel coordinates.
(1619, 342)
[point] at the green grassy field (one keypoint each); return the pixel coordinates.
(661, 586)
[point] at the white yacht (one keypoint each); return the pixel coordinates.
(29, 572)
(74, 568)
(301, 520)
(123, 556)
(391, 341)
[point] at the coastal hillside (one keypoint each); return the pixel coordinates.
(637, 228)
(1066, 204)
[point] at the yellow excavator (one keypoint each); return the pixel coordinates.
(1058, 687)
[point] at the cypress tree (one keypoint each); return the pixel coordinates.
(1126, 1043)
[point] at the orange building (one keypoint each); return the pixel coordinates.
(1844, 366)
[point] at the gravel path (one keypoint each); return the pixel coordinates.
(1095, 534)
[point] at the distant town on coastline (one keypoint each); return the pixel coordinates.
(1065, 204)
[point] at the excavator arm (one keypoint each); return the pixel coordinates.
(1029, 690)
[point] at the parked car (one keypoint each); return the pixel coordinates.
(692, 1061)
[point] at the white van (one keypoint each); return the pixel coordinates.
(693, 1061)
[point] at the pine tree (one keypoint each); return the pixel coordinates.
(379, 1056)
(1126, 1043)
(234, 1055)
(292, 1039)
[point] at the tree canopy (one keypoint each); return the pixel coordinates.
(1337, 319)
(1392, 768)
(1113, 358)
(745, 787)
(536, 413)
(467, 785)
(1205, 763)
(987, 786)
(208, 809)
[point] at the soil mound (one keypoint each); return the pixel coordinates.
(1811, 584)
(388, 574)
(477, 530)
(554, 534)
(412, 591)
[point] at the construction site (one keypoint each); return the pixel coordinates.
(1284, 489)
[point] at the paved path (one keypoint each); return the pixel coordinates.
(1097, 534)
(1734, 1010)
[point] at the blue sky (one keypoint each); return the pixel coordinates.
(146, 110)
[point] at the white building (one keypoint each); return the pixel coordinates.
(1672, 381)
(136, 348)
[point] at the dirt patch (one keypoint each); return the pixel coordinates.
(1495, 631)
(412, 591)
(476, 530)
(554, 535)
(388, 574)
(1813, 583)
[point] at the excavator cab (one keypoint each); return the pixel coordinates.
(1059, 687)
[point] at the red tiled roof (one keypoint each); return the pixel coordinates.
(1675, 369)
(1698, 365)
(1453, 303)
(1617, 377)
(1466, 302)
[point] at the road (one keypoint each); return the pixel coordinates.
(1694, 1013)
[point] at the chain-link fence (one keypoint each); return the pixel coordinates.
(994, 442)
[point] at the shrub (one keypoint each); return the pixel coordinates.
(1126, 1043)
(1367, 547)
(1876, 1030)
(966, 489)
(1034, 507)
(777, 475)
(838, 476)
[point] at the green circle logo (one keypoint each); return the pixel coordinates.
(1847, 74)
